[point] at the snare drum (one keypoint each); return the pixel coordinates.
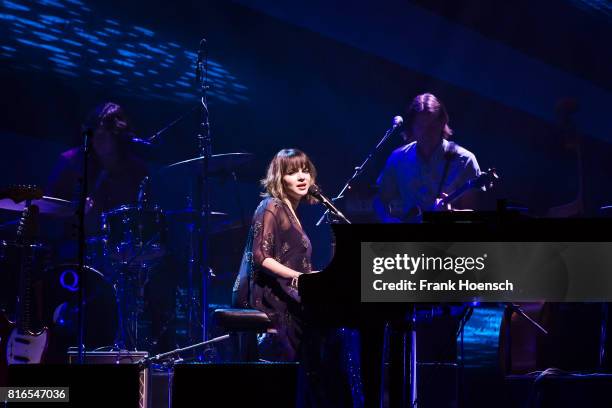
(134, 235)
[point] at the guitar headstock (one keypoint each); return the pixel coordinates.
(487, 179)
(21, 193)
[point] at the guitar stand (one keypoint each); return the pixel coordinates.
(512, 308)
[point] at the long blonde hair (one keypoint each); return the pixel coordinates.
(285, 162)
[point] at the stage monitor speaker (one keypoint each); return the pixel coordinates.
(90, 385)
(119, 357)
(558, 391)
(235, 384)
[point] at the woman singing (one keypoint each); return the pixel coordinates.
(277, 253)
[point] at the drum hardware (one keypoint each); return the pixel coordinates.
(47, 205)
(15, 198)
(202, 196)
(141, 250)
(129, 296)
(134, 234)
(194, 323)
(199, 169)
(189, 216)
(133, 239)
(87, 135)
(131, 243)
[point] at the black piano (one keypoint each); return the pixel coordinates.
(332, 297)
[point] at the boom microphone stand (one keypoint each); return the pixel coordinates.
(397, 123)
(82, 244)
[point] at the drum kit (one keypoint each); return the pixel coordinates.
(130, 245)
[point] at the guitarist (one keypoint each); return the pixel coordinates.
(427, 168)
(416, 176)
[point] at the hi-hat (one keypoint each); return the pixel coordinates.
(189, 215)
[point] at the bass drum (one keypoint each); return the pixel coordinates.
(61, 311)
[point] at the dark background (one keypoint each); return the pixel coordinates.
(323, 77)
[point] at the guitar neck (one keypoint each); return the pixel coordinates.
(25, 237)
(24, 300)
(484, 179)
(456, 194)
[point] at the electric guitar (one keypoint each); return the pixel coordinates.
(486, 179)
(20, 344)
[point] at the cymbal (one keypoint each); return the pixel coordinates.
(218, 163)
(47, 205)
(189, 215)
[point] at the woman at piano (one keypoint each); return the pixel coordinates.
(277, 252)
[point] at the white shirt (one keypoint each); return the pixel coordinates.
(410, 178)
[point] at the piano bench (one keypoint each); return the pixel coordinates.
(243, 326)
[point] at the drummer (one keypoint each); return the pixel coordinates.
(114, 172)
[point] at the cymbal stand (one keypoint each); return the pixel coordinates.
(129, 287)
(202, 197)
(193, 323)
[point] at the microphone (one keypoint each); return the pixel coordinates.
(315, 191)
(398, 122)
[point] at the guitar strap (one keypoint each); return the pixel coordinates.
(449, 155)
